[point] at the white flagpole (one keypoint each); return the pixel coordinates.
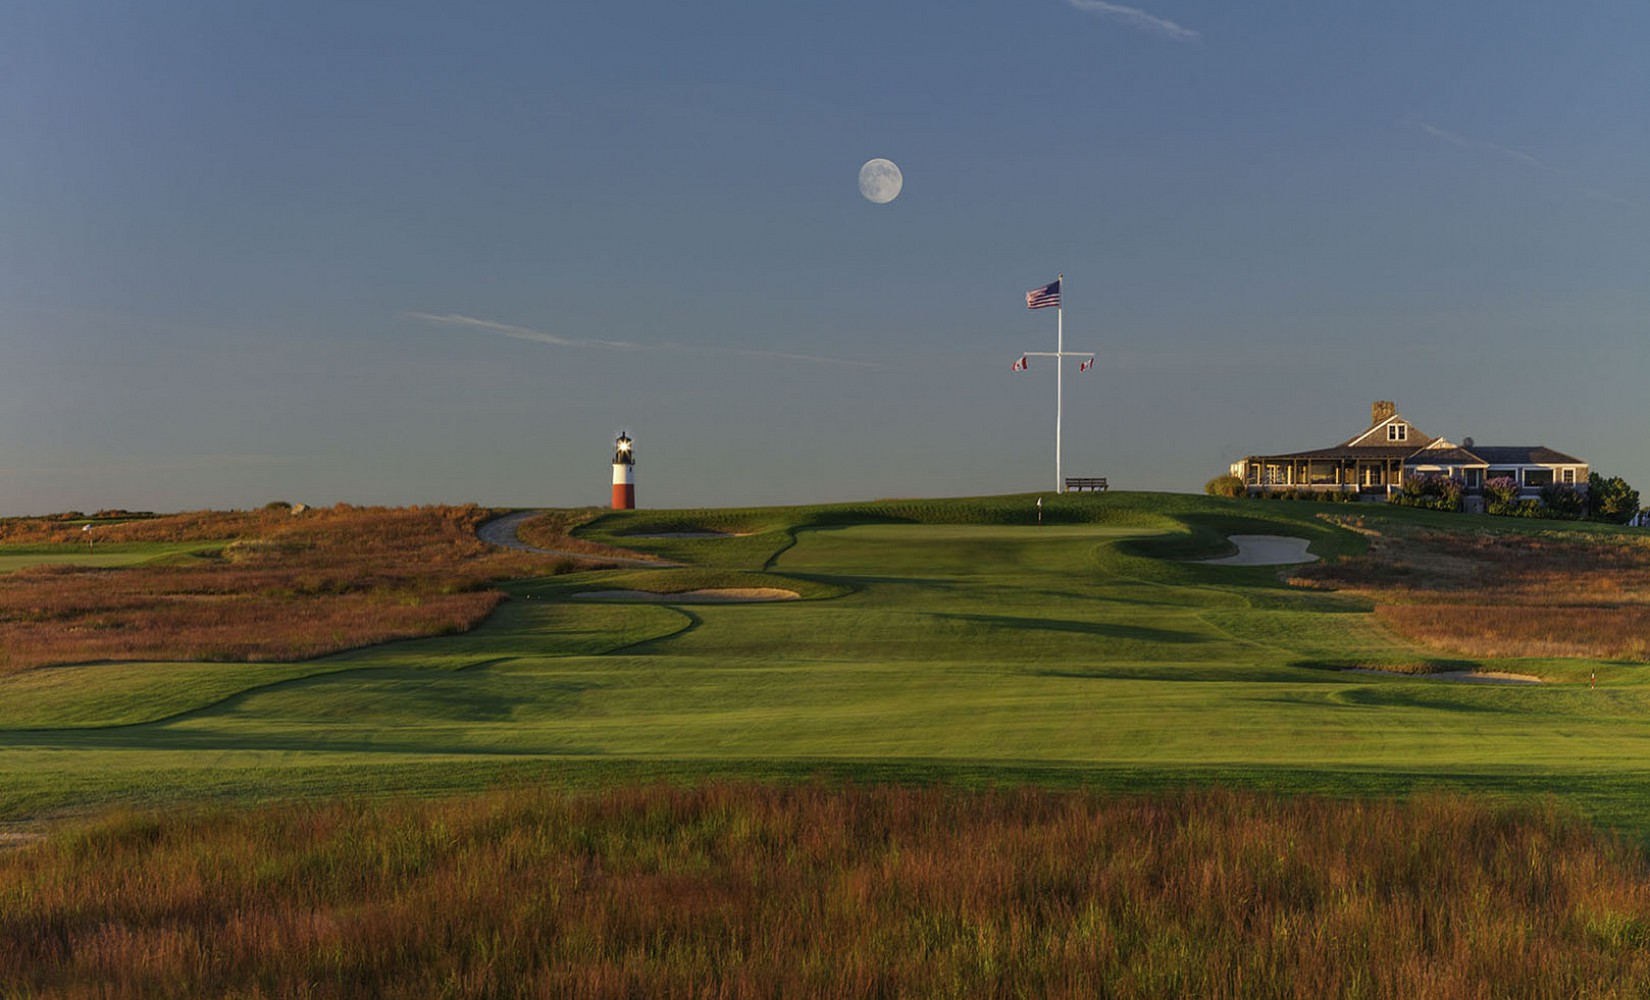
(1059, 383)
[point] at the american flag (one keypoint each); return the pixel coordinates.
(1020, 365)
(1045, 297)
(1084, 366)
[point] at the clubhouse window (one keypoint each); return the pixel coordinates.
(1397, 432)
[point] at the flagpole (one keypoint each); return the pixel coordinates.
(1059, 382)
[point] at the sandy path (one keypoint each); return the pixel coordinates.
(1265, 550)
(502, 531)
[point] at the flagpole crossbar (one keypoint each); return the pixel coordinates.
(1042, 298)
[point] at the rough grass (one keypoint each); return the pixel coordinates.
(554, 529)
(759, 891)
(1489, 593)
(271, 586)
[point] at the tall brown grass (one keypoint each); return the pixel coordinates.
(746, 891)
(554, 529)
(280, 587)
(1496, 594)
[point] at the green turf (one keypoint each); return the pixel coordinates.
(15, 557)
(938, 640)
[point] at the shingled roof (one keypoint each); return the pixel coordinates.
(1343, 452)
(1524, 455)
(1421, 448)
(1454, 455)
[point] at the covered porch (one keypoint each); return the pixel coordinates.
(1374, 476)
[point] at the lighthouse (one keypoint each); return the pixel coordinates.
(624, 474)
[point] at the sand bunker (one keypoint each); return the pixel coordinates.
(718, 595)
(1458, 676)
(1265, 550)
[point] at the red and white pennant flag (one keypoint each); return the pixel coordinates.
(1084, 366)
(1020, 365)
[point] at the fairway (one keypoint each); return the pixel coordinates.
(935, 640)
(15, 557)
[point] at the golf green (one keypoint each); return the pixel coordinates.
(937, 640)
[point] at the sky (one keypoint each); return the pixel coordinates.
(423, 253)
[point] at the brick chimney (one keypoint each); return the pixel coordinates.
(1380, 410)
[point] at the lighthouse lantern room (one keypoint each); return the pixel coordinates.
(624, 474)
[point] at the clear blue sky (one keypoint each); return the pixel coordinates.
(260, 251)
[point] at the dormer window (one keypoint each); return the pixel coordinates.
(1397, 432)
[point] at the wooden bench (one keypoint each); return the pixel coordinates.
(1078, 484)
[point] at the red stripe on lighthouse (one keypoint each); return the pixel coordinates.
(624, 486)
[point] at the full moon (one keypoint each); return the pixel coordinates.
(880, 181)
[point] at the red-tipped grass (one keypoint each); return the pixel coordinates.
(282, 587)
(554, 529)
(750, 891)
(1504, 594)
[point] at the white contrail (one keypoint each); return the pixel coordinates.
(519, 332)
(1138, 18)
(1464, 142)
(556, 340)
(1518, 156)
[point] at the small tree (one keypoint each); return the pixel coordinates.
(1562, 501)
(1225, 486)
(1611, 499)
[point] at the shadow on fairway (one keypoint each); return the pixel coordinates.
(1140, 633)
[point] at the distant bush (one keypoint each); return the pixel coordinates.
(1562, 502)
(278, 505)
(1611, 499)
(1522, 508)
(1501, 496)
(1314, 496)
(1429, 493)
(1225, 486)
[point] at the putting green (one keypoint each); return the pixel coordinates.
(988, 648)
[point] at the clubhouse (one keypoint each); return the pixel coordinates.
(1374, 463)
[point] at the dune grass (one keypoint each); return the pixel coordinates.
(248, 586)
(1485, 591)
(756, 891)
